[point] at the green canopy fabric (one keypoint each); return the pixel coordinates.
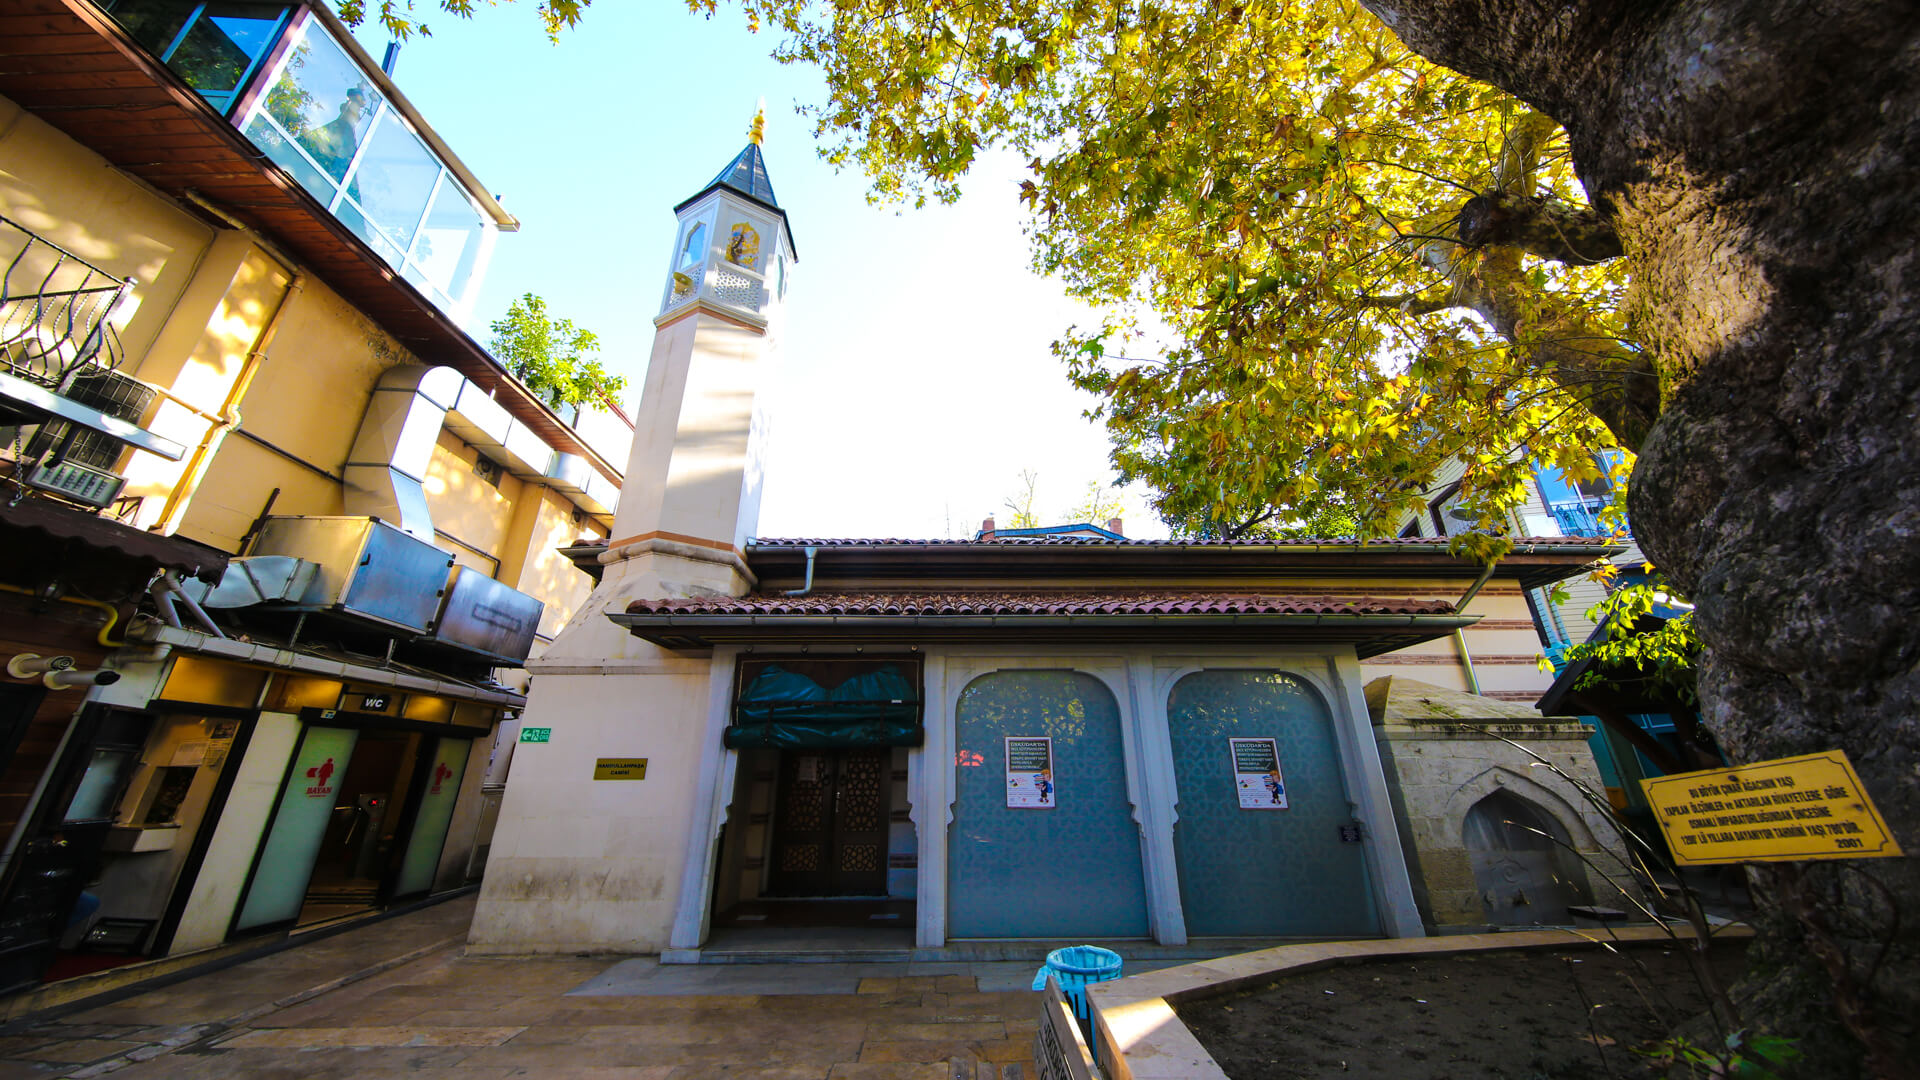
(786, 710)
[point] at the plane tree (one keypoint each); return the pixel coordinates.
(1685, 228)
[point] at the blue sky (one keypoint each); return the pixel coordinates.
(918, 382)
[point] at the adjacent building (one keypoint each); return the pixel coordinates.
(279, 534)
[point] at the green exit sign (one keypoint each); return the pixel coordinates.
(536, 734)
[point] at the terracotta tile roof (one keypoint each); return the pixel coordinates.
(1058, 602)
(1430, 542)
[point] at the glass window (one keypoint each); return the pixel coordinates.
(448, 248)
(352, 218)
(267, 136)
(394, 179)
(100, 785)
(324, 102)
(222, 46)
(213, 47)
(154, 23)
(695, 250)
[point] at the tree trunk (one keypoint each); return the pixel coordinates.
(1760, 160)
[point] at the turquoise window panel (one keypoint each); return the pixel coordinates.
(1263, 873)
(1070, 871)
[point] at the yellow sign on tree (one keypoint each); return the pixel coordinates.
(1784, 810)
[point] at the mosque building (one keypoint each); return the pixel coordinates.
(749, 746)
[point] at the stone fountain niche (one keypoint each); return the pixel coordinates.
(1492, 836)
(1522, 864)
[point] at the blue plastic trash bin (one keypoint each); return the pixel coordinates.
(1076, 966)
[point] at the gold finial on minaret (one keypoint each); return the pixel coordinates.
(757, 134)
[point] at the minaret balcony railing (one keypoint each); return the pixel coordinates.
(720, 282)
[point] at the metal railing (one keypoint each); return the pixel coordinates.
(54, 311)
(1580, 517)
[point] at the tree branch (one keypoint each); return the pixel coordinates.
(1537, 225)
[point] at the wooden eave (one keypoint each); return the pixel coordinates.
(72, 66)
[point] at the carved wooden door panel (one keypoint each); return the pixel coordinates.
(830, 824)
(860, 822)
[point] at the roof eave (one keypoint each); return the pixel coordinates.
(1370, 634)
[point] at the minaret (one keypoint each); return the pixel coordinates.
(584, 863)
(691, 494)
(694, 476)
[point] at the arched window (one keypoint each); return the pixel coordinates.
(1252, 862)
(695, 250)
(1036, 851)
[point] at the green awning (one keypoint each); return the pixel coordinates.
(786, 710)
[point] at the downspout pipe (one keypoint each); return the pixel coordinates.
(229, 415)
(1460, 636)
(807, 586)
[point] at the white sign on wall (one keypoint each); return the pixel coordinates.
(1256, 774)
(1029, 772)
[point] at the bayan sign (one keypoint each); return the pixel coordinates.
(1784, 810)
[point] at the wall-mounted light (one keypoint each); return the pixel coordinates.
(30, 665)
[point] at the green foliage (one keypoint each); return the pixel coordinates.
(1655, 661)
(1743, 1057)
(397, 16)
(551, 356)
(1279, 184)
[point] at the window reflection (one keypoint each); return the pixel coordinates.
(324, 102)
(214, 48)
(395, 179)
(325, 122)
(449, 243)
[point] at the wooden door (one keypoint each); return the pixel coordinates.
(830, 823)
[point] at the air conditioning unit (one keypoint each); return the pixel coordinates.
(78, 482)
(110, 392)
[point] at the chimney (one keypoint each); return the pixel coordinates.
(1113, 526)
(986, 530)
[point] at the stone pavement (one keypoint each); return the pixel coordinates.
(400, 998)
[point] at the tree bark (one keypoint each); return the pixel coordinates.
(1759, 160)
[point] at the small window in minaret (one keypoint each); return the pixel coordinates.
(695, 249)
(743, 246)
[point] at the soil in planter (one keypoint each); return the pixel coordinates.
(1509, 1014)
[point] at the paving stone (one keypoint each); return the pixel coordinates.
(915, 1051)
(896, 1032)
(80, 1051)
(890, 1071)
(313, 1038)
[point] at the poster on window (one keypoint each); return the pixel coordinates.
(1029, 773)
(1256, 774)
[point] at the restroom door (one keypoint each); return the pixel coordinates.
(278, 887)
(830, 823)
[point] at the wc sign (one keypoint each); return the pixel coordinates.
(320, 775)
